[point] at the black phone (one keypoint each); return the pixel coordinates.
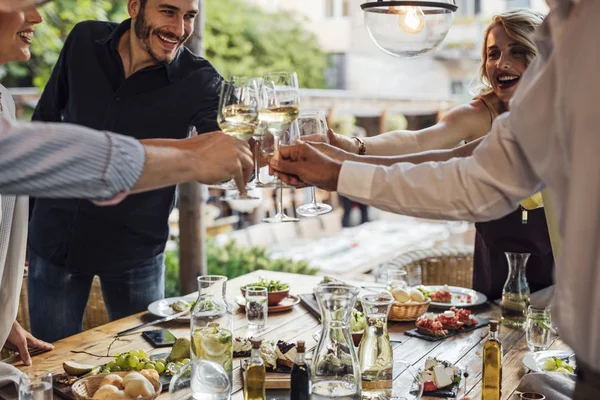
(160, 337)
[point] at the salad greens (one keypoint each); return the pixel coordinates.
(425, 292)
(358, 321)
(555, 364)
(272, 286)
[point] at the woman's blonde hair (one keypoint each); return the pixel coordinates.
(519, 24)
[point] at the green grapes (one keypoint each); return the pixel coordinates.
(134, 360)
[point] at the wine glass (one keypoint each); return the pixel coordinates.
(312, 122)
(279, 101)
(237, 116)
(278, 110)
(289, 137)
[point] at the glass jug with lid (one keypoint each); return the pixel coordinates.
(335, 372)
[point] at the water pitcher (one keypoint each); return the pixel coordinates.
(515, 294)
(335, 372)
(212, 323)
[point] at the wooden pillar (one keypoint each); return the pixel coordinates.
(192, 231)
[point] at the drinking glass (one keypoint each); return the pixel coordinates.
(538, 328)
(396, 277)
(35, 385)
(237, 116)
(312, 122)
(256, 307)
(407, 382)
(279, 102)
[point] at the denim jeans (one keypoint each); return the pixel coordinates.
(58, 297)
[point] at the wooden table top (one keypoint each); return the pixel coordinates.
(464, 350)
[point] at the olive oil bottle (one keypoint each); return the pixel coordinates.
(255, 374)
(492, 365)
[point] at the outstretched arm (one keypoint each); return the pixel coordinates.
(63, 160)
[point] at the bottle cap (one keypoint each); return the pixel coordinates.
(300, 346)
(256, 343)
(493, 325)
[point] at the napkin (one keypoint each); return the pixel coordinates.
(553, 385)
(9, 381)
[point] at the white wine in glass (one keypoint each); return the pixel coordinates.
(239, 121)
(237, 116)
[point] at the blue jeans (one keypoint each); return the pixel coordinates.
(57, 297)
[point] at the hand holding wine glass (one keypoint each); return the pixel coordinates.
(238, 115)
(279, 102)
(312, 124)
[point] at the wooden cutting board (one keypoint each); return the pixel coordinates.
(273, 380)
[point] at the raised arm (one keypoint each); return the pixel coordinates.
(467, 122)
(484, 186)
(64, 160)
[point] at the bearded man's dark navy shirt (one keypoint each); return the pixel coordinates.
(88, 87)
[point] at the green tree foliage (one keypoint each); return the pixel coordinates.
(241, 39)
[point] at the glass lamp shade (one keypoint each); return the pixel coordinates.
(408, 28)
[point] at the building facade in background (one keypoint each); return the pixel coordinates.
(358, 66)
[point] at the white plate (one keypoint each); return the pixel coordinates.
(161, 308)
(534, 361)
(477, 298)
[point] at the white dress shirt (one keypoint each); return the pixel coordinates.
(551, 138)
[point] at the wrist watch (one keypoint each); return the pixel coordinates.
(362, 148)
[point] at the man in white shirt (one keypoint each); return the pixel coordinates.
(549, 139)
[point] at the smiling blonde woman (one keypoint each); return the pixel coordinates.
(507, 51)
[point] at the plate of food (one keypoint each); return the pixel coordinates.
(562, 361)
(173, 305)
(434, 327)
(278, 356)
(445, 296)
(440, 378)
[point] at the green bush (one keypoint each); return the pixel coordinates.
(232, 261)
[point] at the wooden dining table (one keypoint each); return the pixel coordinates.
(464, 350)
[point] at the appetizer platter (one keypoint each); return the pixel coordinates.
(440, 378)
(433, 327)
(444, 296)
(278, 357)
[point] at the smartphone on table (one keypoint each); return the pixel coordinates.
(160, 337)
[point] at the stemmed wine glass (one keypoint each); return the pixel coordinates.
(289, 137)
(238, 117)
(312, 122)
(279, 101)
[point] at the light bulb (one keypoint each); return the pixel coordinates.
(410, 19)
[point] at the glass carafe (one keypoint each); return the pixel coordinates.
(212, 323)
(375, 350)
(515, 294)
(335, 371)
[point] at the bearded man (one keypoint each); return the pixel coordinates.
(135, 78)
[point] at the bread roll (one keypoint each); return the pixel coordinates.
(417, 295)
(400, 295)
(113, 379)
